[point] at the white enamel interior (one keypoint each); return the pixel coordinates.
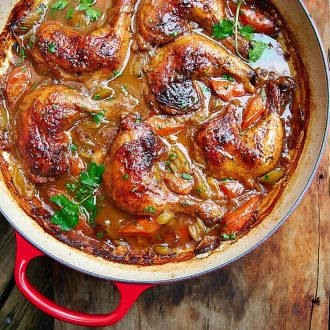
(312, 54)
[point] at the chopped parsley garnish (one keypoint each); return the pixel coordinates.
(150, 209)
(172, 156)
(97, 97)
(83, 202)
(86, 6)
(59, 5)
(247, 32)
(227, 28)
(69, 14)
(174, 34)
(227, 77)
(257, 50)
(229, 237)
(125, 176)
(52, 48)
(186, 176)
(23, 55)
(100, 234)
(71, 187)
(98, 117)
(226, 179)
(206, 89)
(74, 147)
(224, 29)
(68, 216)
(92, 13)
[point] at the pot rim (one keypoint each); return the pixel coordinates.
(325, 64)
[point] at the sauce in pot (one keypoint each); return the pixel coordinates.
(153, 131)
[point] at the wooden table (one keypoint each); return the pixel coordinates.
(283, 284)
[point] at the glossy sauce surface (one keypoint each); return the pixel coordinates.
(127, 91)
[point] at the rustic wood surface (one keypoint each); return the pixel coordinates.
(283, 284)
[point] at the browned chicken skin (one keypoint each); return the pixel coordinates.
(130, 179)
(59, 47)
(230, 153)
(44, 116)
(173, 69)
(161, 22)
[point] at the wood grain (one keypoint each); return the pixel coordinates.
(15, 311)
(7, 257)
(283, 284)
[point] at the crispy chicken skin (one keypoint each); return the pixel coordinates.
(161, 22)
(229, 152)
(172, 72)
(130, 179)
(59, 47)
(45, 117)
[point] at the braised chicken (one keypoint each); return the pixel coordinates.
(130, 175)
(62, 48)
(149, 131)
(173, 72)
(161, 22)
(45, 117)
(231, 152)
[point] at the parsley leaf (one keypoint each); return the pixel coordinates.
(186, 176)
(86, 2)
(100, 234)
(74, 147)
(93, 176)
(228, 78)
(68, 216)
(257, 50)
(84, 202)
(59, 5)
(229, 237)
(70, 187)
(247, 32)
(224, 29)
(97, 97)
(98, 117)
(91, 13)
(150, 209)
(52, 48)
(69, 14)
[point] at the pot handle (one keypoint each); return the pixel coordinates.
(128, 293)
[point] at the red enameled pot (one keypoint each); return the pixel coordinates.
(132, 280)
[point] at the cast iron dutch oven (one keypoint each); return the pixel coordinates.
(132, 280)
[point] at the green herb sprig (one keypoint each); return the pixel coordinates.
(90, 12)
(226, 28)
(83, 202)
